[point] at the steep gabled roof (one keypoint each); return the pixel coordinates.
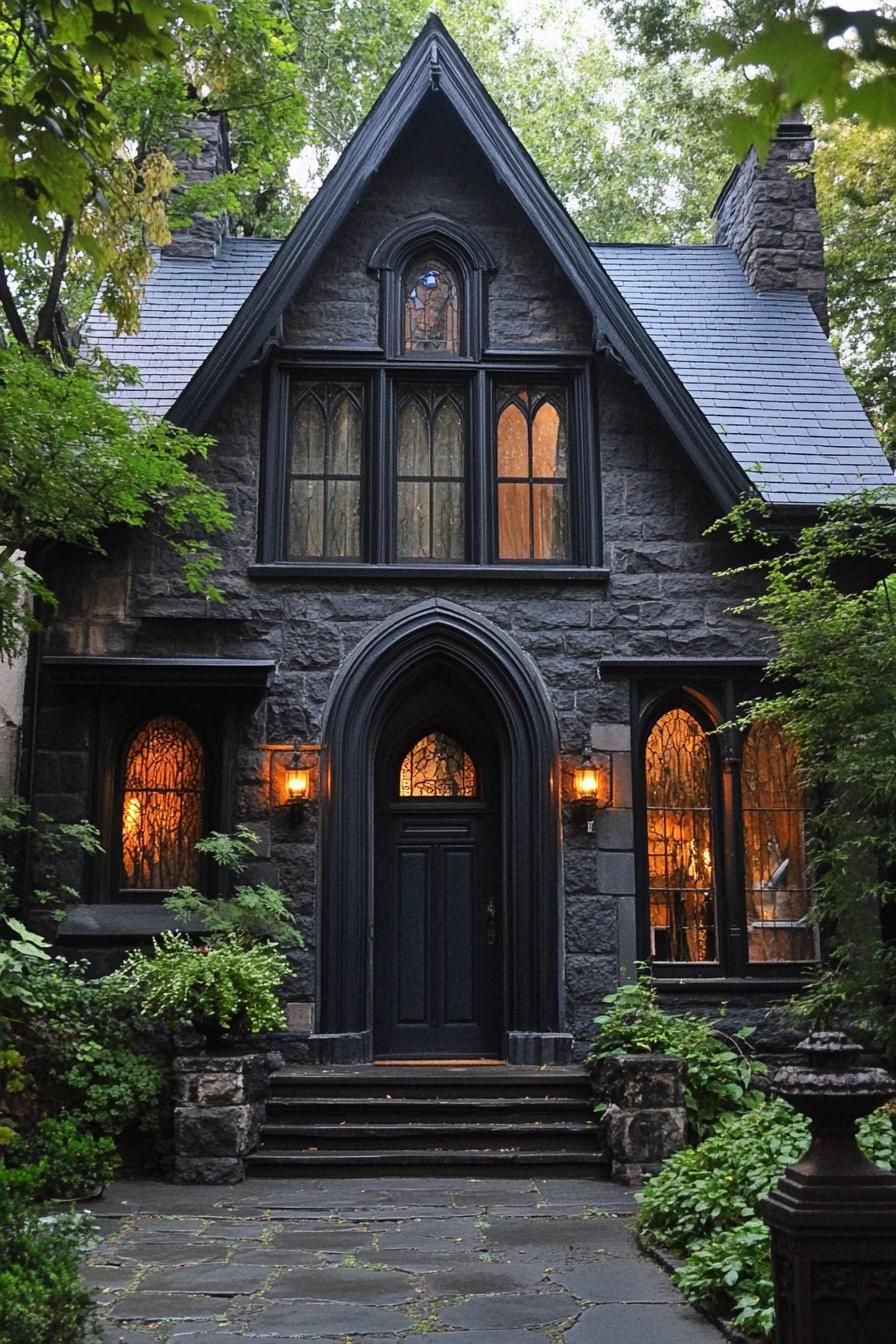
(743, 379)
(435, 67)
(758, 365)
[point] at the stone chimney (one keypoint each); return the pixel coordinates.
(203, 237)
(766, 214)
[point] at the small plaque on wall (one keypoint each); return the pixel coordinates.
(300, 1016)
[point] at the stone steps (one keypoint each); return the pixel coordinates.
(372, 1119)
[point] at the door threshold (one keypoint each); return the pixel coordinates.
(436, 1063)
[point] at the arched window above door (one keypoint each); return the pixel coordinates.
(437, 766)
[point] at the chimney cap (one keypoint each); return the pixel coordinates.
(794, 126)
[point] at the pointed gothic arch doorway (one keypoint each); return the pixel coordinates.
(440, 669)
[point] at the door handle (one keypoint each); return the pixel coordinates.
(491, 925)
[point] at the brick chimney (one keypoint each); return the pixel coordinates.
(766, 213)
(203, 237)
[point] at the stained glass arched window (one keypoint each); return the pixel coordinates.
(431, 309)
(678, 772)
(532, 469)
(161, 815)
(777, 889)
(437, 767)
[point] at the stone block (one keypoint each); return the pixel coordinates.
(616, 873)
(209, 1170)
(216, 1131)
(637, 1082)
(614, 828)
(611, 737)
(647, 1136)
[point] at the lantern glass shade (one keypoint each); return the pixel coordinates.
(592, 779)
(298, 783)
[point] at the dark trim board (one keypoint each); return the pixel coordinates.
(232, 673)
(439, 640)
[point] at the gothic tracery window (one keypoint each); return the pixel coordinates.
(161, 816)
(679, 840)
(431, 309)
(430, 472)
(532, 468)
(437, 767)
(777, 890)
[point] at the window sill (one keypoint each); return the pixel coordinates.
(791, 979)
(286, 569)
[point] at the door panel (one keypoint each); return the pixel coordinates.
(437, 961)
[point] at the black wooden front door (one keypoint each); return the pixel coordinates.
(438, 987)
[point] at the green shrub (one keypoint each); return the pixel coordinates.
(718, 1071)
(253, 913)
(704, 1204)
(42, 1298)
(877, 1136)
(68, 1044)
(63, 1161)
(215, 986)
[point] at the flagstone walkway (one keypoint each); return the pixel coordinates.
(508, 1261)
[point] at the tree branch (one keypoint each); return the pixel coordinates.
(13, 317)
(47, 314)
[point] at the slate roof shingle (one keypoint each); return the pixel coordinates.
(758, 366)
(186, 308)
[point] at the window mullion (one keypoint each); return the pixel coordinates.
(481, 490)
(381, 513)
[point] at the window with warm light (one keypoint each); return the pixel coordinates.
(438, 453)
(162, 804)
(727, 888)
(437, 766)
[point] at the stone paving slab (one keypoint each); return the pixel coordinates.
(350, 1261)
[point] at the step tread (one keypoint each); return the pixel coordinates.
(480, 1074)
(270, 1157)
(394, 1131)
(440, 1103)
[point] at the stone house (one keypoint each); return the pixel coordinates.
(471, 459)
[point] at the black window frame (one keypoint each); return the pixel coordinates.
(480, 368)
(714, 703)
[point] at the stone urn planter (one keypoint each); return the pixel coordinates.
(219, 1108)
(644, 1119)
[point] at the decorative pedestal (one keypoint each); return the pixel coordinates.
(645, 1118)
(219, 1105)
(833, 1214)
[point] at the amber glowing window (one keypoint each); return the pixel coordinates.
(437, 767)
(431, 309)
(777, 890)
(325, 471)
(430, 485)
(161, 818)
(531, 470)
(679, 840)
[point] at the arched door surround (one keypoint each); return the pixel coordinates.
(439, 643)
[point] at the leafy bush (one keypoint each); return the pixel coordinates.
(252, 913)
(63, 1161)
(42, 1298)
(877, 1136)
(215, 986)
(704, 1204)
(718, 1071)
(70, 1045)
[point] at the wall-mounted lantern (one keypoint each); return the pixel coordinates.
(593, 782)
(298, 776)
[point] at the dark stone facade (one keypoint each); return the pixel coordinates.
(661, 599)
(767, 214)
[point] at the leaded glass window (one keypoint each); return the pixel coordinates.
(777, 889)
(532, 471)
(161, 816)
(326, 426)
(430, 462)
(431, 309)
(678, 770)
(437, 767)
